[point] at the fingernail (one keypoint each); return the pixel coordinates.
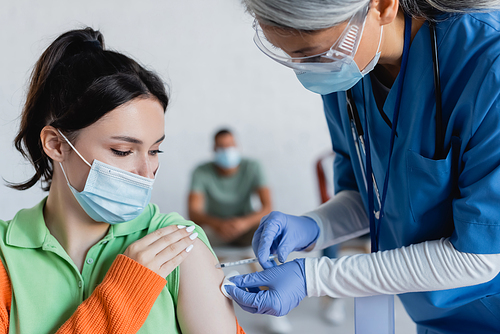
(190, 229)
(181, 226)
(188, 249)
(193, 236)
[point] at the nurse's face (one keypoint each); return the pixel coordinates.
(128, 137)
(301, 44)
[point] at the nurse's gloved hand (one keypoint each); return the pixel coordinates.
(286, 283)
(282, 234)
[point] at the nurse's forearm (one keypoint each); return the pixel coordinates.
(428, 266)
(341, 218)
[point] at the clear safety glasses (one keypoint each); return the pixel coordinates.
(341, 52)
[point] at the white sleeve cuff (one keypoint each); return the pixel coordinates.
(428, 266)
(341, 218)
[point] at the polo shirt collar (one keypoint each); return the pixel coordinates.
(28, 230)
(135, 225)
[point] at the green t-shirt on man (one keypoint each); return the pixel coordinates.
(228, 196)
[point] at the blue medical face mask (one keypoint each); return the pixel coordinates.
(326, 82)
(227, 157)
(111, 195)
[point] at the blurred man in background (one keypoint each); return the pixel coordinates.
(221, 192)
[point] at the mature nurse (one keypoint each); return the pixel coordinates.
(411, 93)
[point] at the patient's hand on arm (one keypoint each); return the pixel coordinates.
(202, 308)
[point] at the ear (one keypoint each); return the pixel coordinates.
(387, 10)
(52, 143)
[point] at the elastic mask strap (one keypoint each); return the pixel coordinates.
(74, 149)
(65, 176)
(156, 172)
(380, 40)
(371, 65)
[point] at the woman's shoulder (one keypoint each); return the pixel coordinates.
(3, 232)
(476, 30)
(159, 220)
(489, 19)
(469, 50)
(472, 21)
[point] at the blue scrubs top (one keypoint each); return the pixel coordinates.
(457, 196)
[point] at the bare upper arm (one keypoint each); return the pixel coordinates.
(196, 201)
(202, 308)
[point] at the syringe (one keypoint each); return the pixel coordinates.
(237, 263)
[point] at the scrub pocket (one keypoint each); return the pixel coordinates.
(430, 189)
(492, 303)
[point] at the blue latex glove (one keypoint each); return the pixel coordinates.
(286, 283)
(281, 233)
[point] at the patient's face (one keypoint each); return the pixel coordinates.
(128, 137)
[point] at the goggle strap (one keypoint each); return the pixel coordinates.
(350, 39)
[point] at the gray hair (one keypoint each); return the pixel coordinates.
(308, 15)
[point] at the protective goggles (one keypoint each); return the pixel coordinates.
(341, 52)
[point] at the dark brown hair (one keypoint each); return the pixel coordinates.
(75, 82)
(222, 132)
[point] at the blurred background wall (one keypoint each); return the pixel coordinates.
(217, 78)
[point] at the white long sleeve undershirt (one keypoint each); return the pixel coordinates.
(428, 266)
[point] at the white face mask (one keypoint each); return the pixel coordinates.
(335, 81)
(111, 195)
(227, 157)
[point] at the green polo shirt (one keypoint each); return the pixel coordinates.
(47, 287)
(228, 196)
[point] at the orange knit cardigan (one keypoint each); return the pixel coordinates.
(117, 305)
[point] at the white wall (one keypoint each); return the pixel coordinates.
(204, 50)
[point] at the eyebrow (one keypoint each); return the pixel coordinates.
(134, 140)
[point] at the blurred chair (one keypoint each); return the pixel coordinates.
(332, 309)
(325, 182)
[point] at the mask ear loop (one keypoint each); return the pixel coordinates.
(156, 171)
(65, 176)
(365, 71)
(74, 149)
(380, 40)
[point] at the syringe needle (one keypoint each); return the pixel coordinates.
(238, 263)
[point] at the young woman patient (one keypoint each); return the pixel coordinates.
(95, 256)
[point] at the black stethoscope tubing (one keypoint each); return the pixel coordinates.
(358, 133)
(439, 141)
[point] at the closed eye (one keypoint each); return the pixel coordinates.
(121, 153)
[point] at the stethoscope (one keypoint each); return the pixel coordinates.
(359, 137)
